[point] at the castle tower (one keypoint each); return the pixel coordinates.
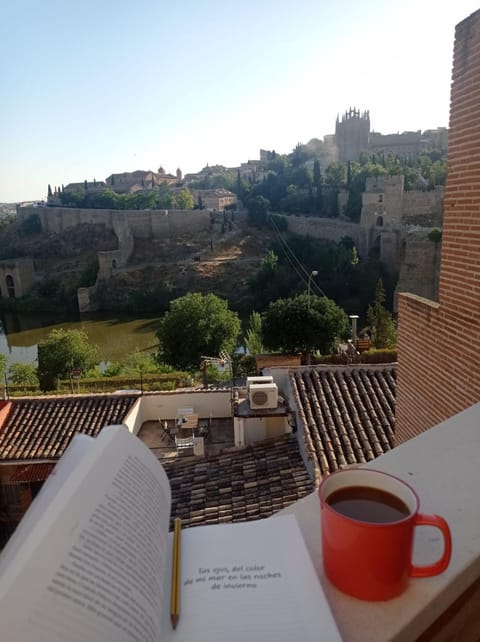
(352, 133)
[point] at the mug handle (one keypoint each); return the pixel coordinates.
(437, 567)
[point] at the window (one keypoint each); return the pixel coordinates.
(10, 286)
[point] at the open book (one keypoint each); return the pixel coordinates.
(91, 562)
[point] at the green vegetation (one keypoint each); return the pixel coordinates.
(161, 198)
(31, 225)
(342, 275)
(304, 324)
(5, 221)
(89, 275)
(435, 235)
(290, 187)
(196, 325)
(382, 327)
(23, 374)
(61, 353)
(3, 365)
(199, 325)
(253, 337)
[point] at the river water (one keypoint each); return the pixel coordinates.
(115, 336)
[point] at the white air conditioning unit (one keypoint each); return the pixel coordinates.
(251, 381)
(263, 396)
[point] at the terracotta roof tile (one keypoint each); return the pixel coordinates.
(347, 413)
(251, 483)
(42, 428)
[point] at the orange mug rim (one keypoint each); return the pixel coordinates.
(411, 515)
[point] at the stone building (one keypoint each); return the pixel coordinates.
(17, 277)
(351, 134)
(439, 368)
(215, 199)
(404, 144)
(391, 218)
(127, 182)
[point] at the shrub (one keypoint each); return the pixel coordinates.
(435, 235)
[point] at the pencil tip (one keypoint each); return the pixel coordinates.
(174, 619)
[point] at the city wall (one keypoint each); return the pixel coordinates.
(142, 223)
(417, 264)
(324, 228)
(423, 208)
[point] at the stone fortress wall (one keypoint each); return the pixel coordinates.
(398, 223)
(128, 225)
(392, 219)
(17, 277)
(329, 229)
(142, 223)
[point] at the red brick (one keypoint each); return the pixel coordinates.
(439, 368)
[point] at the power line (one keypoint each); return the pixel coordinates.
(291, 256)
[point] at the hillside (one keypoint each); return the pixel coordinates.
(221, 264)
(158, 270)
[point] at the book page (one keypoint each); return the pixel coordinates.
(75, 453)
(249, 581)
(92, 569)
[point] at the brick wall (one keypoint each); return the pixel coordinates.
(439, 343)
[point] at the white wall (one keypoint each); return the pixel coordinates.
(133, 419)
(164, 405)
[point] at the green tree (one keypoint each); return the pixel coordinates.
(258, 207)
(62, 351)
(89, 274)
(196, 325)
(317, 188)
(184, 200)
(273, 280)
(253, 338)
(23, 374)
(335, 176)
(382, 326)
(303, 324)
(140, 362)
(113, 369)
(3, 365)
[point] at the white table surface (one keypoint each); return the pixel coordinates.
(443, 465)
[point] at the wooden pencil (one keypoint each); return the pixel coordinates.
(176, 564)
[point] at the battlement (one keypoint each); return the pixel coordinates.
(378, 184)
(355, 114)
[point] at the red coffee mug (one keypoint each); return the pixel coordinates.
(369, 560)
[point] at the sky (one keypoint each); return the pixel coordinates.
(98, 87)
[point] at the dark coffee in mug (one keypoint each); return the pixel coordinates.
(368, 504)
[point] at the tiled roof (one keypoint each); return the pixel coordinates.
(239, 485)
(42, 428)
(347, 413)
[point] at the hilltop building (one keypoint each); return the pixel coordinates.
(129, 182)
(215, 199)
(123, 183)
(353, 136)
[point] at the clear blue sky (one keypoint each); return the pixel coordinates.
(90, 88)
